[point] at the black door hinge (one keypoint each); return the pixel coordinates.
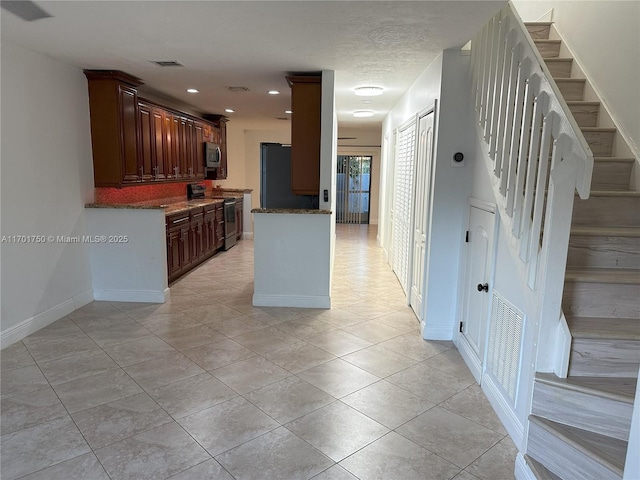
(466, 238)
(461, 327)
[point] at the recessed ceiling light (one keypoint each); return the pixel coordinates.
(288, 111)
(229, 110)
(274, 92)
(192, 90)
(363, 113)
(369, 91)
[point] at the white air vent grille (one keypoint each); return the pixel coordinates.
(505, 336)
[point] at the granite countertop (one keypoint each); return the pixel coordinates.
(169, 205)
(291, 211)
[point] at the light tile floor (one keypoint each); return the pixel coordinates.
(207, 386)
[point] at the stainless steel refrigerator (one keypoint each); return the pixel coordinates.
(275, 179)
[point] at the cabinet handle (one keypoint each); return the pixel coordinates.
(197, 214)
(180, 221)
(141, 173)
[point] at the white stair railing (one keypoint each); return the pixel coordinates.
(537, 155)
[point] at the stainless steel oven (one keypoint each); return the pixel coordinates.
(230, 227)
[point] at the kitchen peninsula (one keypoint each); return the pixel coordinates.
(142, 246)
(291, 249)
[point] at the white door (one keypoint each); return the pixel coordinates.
(403, 203)
(422, 193)
(477, 287)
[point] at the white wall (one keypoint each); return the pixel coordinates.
(605, 39)
(424, 91)
(131, 269)
(445, 80)
(292, 267)
(47, 177)
(451, 184)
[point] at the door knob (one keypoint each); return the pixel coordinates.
(484, 287)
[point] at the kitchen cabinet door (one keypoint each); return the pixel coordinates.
(159, 138)
(198, 150)
(197, 235)
(222, 171)
(173, 254)
(145, 150)
(185, 247)
(306, 94)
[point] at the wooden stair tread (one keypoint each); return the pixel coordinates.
(571, 80)
(609, 452)
(604, 328)
(546, 40)
(620, 389)
(614, 193)
(599, 231)
(539, 470)
(558, 59)
(614, 159)
(603, 275)
(538, 24)
(579, 102)
(599, 129)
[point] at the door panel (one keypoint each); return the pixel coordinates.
(477, 288)
(422, 193)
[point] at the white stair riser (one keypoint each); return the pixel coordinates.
(562, 458)
(604, 252)
(585, 115)
(592, 357)
(600, 300)
(578, 409)
(607, 211)
(600, 142)
(611, 175)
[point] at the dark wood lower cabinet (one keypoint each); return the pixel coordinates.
(194, 236)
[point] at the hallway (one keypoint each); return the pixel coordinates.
(208, 386)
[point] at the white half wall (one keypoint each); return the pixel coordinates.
(129, 263)
(292, 260)
(47, 177)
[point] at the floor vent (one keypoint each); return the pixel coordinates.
(505, 335)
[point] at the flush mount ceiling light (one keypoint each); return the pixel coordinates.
(363, 113)
(273, 92)
(288, 111)
(167, 63)
(192, 90)
(369, 91)
(229, 110)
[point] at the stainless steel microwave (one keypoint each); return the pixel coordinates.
(212, 155)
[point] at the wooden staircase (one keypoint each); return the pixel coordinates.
(579, 426)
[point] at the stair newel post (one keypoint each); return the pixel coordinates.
(555, 247)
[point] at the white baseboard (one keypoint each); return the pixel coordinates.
(522, 470)
(247, 235)
(503, 409)
(436, 332)
(25, 328)
(300, 301)
(142, 296)
(470, 357)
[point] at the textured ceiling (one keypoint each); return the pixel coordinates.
(255, 44)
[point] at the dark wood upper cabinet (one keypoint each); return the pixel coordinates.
(137, 141)
(306, 95)
(219, 136)
(113, 105)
